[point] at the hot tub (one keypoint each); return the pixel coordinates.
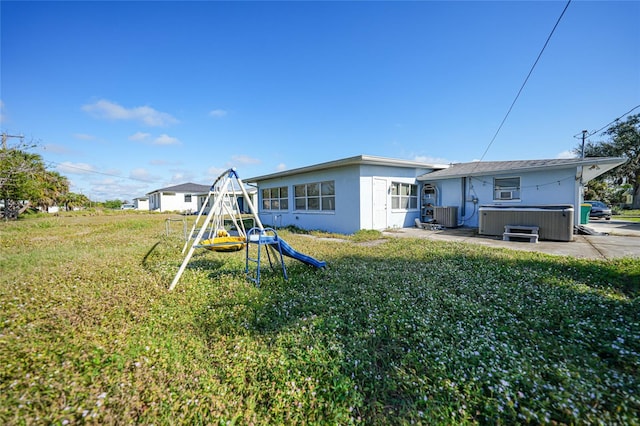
(555, 222)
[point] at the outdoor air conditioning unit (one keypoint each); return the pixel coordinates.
(506, 195)
(446, 216)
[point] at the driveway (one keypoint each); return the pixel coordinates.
(616, 239)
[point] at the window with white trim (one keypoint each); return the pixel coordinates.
(404, 196)
(275, 198)
(506, 188)
(187, 198)
(318, 196)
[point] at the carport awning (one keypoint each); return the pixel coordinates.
(592, 171)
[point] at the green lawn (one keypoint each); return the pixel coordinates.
(392, 333)
(629, 215)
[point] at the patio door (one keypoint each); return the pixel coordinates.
(379, 213)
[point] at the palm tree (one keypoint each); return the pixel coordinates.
(53, 188)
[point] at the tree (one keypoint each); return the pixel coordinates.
(51, 189)
(25, 181)
(112, 204)
(70, 200)
(624, 142)
(20, 183)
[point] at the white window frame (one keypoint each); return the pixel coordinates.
(401, 199)
(506, 188)
(279, 198)
(322, 198)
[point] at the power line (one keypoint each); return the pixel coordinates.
(525, 80)
(588, 135)
(99, 173)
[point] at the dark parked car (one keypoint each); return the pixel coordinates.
(599, 210)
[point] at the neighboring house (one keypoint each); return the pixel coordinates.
(181, 198)
(141, 203)
(187, 198)
(344, 196)
(366, 192)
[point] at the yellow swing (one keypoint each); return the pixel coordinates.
(224, 242)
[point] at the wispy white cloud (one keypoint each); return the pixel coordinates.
(215, 171)
(144, 114)
(165, 139)
(139, 136)
(75, 168)
(566, 154)
(84, 136)
(218, 113)
(243, 160)
(56, 149)
(182, 176)
(281, 167)
(109, 189)
(142, 174)
(430, 160)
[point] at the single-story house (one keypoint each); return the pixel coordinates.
(188, 198)
(367, 192)
(343, 196)
(141, 203)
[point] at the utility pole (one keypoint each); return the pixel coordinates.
(5, 136)
(584, 135)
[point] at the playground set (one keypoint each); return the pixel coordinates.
(211, 233)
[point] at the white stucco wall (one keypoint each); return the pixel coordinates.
(343, 220)
(173, 201)
(536, 188)
(395, 218)
(141, 204)
(353, 199)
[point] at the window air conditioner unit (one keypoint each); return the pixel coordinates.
(506, 195)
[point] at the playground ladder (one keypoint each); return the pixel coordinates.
(267, 237)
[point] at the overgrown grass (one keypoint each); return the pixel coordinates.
(404, 331)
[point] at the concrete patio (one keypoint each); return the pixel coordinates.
(619, 239)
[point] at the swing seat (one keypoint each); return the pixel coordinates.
(224, 244)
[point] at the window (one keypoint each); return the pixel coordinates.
(319, 196)
(275, 198)
(506, 188)
(404, 196)
(187, 198)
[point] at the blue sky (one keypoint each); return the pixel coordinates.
(128, 97)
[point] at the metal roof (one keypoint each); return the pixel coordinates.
(356, 160)
(595, 166)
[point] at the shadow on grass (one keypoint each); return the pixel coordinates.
(451, 330)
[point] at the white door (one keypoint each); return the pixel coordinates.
(379, 204)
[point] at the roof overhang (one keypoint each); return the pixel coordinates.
(592, 167)
(357, 160)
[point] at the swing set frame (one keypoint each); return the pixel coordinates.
(225, 204)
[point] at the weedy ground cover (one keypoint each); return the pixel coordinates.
(405, 331)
